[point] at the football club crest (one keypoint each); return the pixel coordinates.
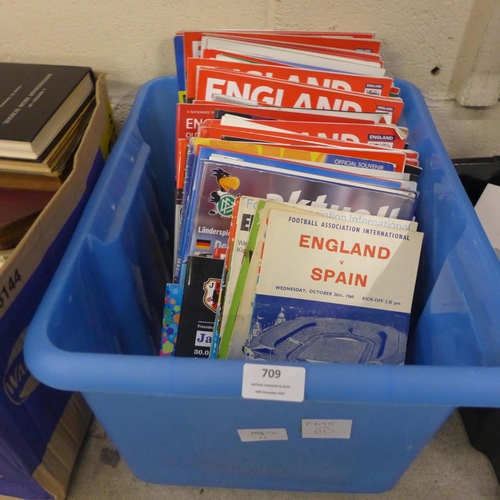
(211, 289)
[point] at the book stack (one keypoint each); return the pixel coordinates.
(44, 112)
(296, 195)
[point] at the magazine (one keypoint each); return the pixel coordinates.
(399, 159)
(201, 291)
(342, 295)
(243, 271)
(353, 46)
(389, 136)
(296, 56)
(212, 82)
(215, 184)
(380, 86)
(323, 157)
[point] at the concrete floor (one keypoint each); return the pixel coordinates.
(448, 468)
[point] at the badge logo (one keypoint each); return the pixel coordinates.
(211, 289)
(225, 205)
(222, 199)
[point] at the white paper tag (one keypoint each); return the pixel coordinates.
(247, 435)
(273, 382)
(326, 429)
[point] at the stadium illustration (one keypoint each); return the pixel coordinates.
(320, 339)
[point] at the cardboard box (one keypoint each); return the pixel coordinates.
(41, 429)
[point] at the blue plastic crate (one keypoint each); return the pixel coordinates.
(175, 421)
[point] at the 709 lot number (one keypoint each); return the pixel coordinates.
(271, 373)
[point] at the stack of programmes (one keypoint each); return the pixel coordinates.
(296, 194)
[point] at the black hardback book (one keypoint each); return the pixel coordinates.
(199, 307)
(37, 103)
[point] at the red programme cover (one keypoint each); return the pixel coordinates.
(191, 116)
(354, 44)
(288, 94)
(396, 157)
(340, 81)
(373, 134)
(320, 48)
(302, 56)
(224, 55)
(192, 39)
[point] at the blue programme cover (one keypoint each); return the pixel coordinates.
(217, 182)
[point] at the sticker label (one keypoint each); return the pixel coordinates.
(273, 382)
(326, 429)
(247, 435)
(202, 339)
